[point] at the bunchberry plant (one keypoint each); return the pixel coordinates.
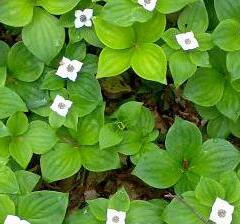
(213, 201)
(187, 157)
(130, 130)
(18, 202)
(119, 209)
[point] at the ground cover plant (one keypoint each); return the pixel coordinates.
(119, 111)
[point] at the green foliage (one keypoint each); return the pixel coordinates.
(180, 51)
(187, 158)
(195, 206)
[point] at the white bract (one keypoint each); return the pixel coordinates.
(148, 4)
(69, 69)
(11, 219)
(83, 18)
(61, 106)
(115, 217)
(187, 41)
(221, 212)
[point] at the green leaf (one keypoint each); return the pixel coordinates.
(8, 181)
(21, 151)
(89, 127)
(43, 207)
(23, 64)
(128, 113)
(152, 30)
(83, 216)
(200, 58)
(40, 136)
(169, 6)
(55, 120)
(10, 103)
(57, 7)
(27, 181)
(60, 163)
(183, 140)
(120, 201)
(31, 94)
(16, 13)
(188, 182)
(227, 9)
(181, 67)
(218, 127)
(208, 190)
(4, 149)
(90, 36)
(131, 143)
(17, 124)
(219, 156)
(194, 18)
(85, 93)
(149, 62)
(208, 113)
(97, 160)
(115, 37)
(52, 82)
(3, 76)
(4, 49)
(226, 35)
(143, 212)
(234, 69)
(229, 105)
(169, 36)
(4, 132)
(76, 51)
(145, 124)
(44, 36)
(205, 88)
(231, 183)
(113, 62)
(124, 13)
(188, 210)
(110, 135)
(153, 168)
(7, 207)
(98, 208)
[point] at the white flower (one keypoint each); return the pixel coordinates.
(69, 69)
(148, 4)
(187, 41)
(83, 18)
(115, 217)
(11, 219)
(61, 106)
(221, 212)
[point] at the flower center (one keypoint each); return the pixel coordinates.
(61, 106)
(115, 219)
(147, 1)
(188, 41)
(120, 125)
(222, 213)
(83, 18)
(70, 68)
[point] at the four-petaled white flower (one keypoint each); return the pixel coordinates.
(11, 219)
(83, 18)
(148, 4)
(187, 41)
(115, 217)
(69, 69)
(61, 106)
(221, 212)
